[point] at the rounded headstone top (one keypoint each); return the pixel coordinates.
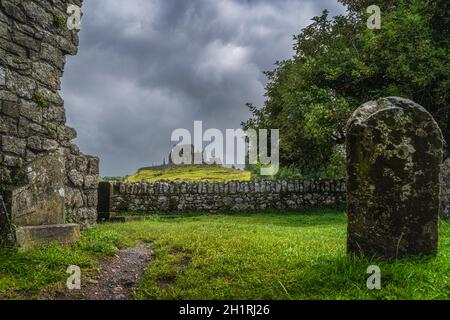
(372, 108)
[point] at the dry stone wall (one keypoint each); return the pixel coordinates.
(34, 40)
(225, 196)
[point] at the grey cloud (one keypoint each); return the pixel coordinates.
(145, 68)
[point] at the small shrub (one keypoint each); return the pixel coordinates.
(51, 132)
(41, 100)
(59, 20)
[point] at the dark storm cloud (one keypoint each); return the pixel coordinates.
(146, 68)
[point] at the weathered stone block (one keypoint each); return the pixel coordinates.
(86, 217)
(4, 30)
(31, 111)
(3, 17)
(74, 149)
(66, 133)
(52, 55)
(47, 75)
(94, 166)
(37, 14)
(41, 201)
(395, 150)
(20, 64)
(66, 45)
(52, 97)
(7, 95)
(90, 182)
(65, 234)
(25, 40)
(76, 178)
(8, 126)
(82, 164)
(14, 11)
(74, 198)
(55, 114)
(49, 144)
(23, 86)
(92, 198)
(35, 143)
(13, 145)
(11, 161)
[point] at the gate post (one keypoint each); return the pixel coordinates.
(105, 190)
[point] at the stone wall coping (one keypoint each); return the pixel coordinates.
(227, 187)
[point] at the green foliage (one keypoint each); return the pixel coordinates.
(59, 20)
(289, 173)
(336, 169)
(340, 64)
(101, 243)
(23, 275)
(11, 178)
(293, 255)
(50, 130)
(41, 100)
(7, 180)
(190, 173)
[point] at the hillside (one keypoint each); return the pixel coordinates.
(190, 173)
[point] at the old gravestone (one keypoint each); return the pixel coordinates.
(394, 150)
(445, 191)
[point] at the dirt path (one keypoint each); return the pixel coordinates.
(117, 276)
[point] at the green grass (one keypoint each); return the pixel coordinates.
(191, 173)
(292, 255)
(23, 275)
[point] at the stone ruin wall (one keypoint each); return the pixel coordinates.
(34, 40)
(225, 196)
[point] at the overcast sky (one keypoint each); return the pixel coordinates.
(148, 67)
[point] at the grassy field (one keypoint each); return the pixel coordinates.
(191, 173)
(295, 255)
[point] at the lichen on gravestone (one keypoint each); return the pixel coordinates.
(395, 151)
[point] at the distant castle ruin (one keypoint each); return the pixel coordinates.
(185, 158)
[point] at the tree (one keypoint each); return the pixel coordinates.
(340, 63)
